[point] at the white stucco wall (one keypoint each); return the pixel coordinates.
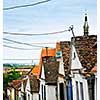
(42, 81)
(79, 79)
(19, 94)
(51, 92)
(27, 90)
(61, 79)
(35, 96)
(42, 72)
(95, 86)
(22, 87)
(8, 92)
(61, 66)
(13, 94)
(75, 63)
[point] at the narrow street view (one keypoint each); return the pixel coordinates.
(50, 50)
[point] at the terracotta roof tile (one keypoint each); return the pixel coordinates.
(36, 71)
(16, 82)
(57, 46)
(94, 69)
(49, 52)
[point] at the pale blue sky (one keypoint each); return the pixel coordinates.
(51, 16)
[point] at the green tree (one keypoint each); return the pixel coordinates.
(9, 77)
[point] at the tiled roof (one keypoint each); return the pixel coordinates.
(35, 71)
(65, 48)
(48, 52)
(16, 83)
(34, 83)
(94, 69)
(44, 52)
(95, 45)
(51, 69)
(85, 48)
(86, 53)
(57, 46)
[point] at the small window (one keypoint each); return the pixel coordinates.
(67, 88)
(77, 91)
(24, 97)
(58, 54)
(44, 93)
(39, 97)
(61, 85)
(69, 91)
(42, 90)
(74, 56)
(81, 91)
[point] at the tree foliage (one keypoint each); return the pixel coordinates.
(9, 77)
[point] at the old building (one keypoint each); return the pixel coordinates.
(48, 78)
(34, 87)
(64, 73)
(94, 70)
(25, 88)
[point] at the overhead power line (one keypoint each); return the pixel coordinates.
(30, 34)
(25, 43)
(21, 59)
(44, 43)
(18, 48)
(22, 43)
(23, 6)
(32, 42)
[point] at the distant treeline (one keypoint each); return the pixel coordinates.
(17, 65)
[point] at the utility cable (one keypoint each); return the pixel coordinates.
(23, 43)
(23, 6)
(18, 48)
(33, 42)
(52, 33)
(21, 59)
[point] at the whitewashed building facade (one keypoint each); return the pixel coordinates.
(48, 78)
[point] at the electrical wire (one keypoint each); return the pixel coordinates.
(23, 43)
(18, 48)
(33, 42)
(44, 43)
(26, 43)
(21, 59)
(23, 6)
(12, 33)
